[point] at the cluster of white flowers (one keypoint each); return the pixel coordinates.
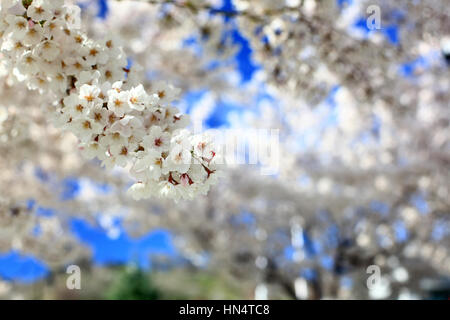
(96, 98)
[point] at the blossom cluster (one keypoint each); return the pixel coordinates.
(96, 98)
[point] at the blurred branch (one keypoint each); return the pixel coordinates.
(196, 8)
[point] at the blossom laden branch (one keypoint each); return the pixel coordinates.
(95, 97)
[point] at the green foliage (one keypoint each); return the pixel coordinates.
(133, 284)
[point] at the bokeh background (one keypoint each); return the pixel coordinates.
(363, 118)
